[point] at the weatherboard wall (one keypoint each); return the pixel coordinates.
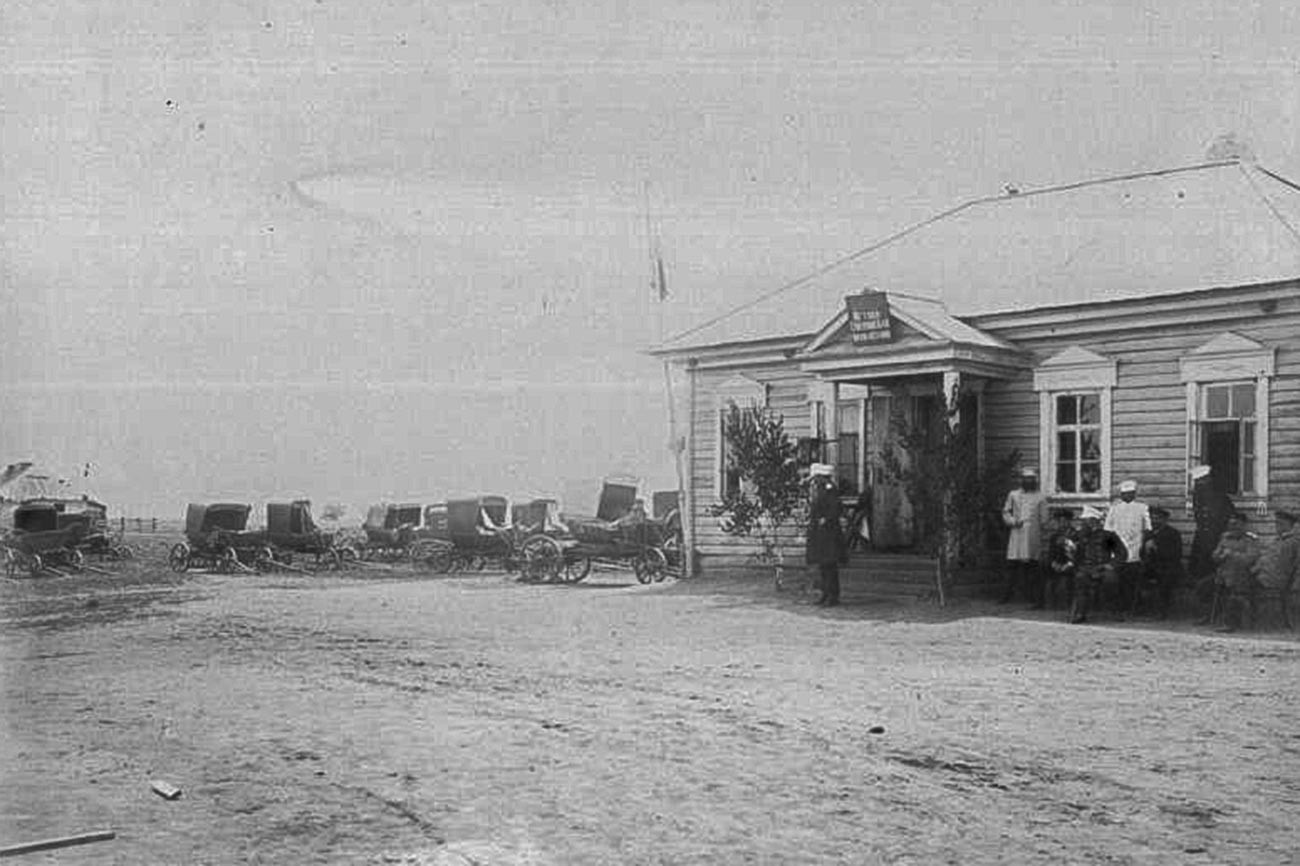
(786, 394)
(1149, 409)
(1146, 339)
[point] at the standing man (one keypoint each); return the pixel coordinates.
(1024, 513)
(1278, 569)
(1162, 559)
(1211, 507)
(1131, 521)
(823, 541)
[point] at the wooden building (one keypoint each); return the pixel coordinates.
(1126, 327)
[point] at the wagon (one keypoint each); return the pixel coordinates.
(291, 530)
(40, 540)
(217, 538)
(615, 537)
(472, 534)
(98, 541)
(395, 532)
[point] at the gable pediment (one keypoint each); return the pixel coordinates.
(1075, 367)
(742, 390)
(1229, 355)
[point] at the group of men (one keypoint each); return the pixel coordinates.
(1132, 554)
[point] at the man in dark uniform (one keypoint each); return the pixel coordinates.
(823, 541)
(1162, 560)
(1211, 506)
(1062, 547)
(1099, 552)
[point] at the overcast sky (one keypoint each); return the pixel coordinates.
(375, 225)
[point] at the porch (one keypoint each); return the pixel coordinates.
(873, 575)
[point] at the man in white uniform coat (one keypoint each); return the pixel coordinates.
(1025, 514)
(1131, 521)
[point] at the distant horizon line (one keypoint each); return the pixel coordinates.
(498, 385)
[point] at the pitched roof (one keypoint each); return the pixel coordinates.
(1227, 223)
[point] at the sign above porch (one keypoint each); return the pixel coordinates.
(869, 321)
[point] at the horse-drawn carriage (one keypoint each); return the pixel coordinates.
(44, 536)
(99, 540)
(620, 535)
(290, 530)
(398, 532)
(473, 534)
(217, 538)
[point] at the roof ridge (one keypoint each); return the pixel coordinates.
(1268, 203)
(1117, 178)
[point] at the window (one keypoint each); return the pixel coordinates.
(1224, 437)
(1227, 411)
(1077, 433)
(1074, 391)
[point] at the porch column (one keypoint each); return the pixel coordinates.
(952, 395)
(833, 427)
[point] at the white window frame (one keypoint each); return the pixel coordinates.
(1230, 359)
(740, 391)
(1074, 372)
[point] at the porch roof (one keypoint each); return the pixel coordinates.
(928, 340)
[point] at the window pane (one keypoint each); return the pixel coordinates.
(1067, 410)
(1090, 444)
(1089, 409)
(1248, 438)
(1065, 446)
(1248, 475)
(1065, 478)
(1089, 477)
(1243, 401)
(1216, 401)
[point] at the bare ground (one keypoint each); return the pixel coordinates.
(378, 717)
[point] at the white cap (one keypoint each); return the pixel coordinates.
(1200, 471)
(821, 469)
(1090, 512)
(1129, 486)
(1029, 472)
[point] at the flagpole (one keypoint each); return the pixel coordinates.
(659, 282)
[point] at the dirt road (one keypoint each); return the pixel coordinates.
(380, 718)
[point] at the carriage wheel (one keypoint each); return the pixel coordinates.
(263, 560)
(75, 559)
(543, 559)
(179, 557)
(650, 565)
(35, 565)
(420, 553)
(439, 559)
(576, 570)
(228, 561)
(347, 554)
(11, 563)
(120, 552)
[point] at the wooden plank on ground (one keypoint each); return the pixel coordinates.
(59, 842)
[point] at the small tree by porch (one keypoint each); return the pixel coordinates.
(951, 491)
(769, 494)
